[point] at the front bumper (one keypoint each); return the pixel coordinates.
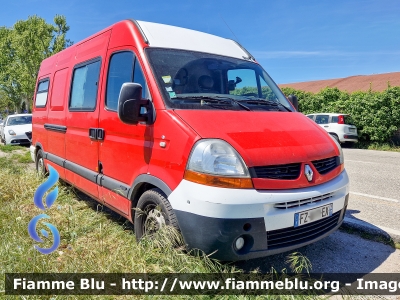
(211, 218)
(32, 150)
(19, 139)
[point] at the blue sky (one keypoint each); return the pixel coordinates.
(293, 40)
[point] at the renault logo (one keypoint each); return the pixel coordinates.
(308, 172)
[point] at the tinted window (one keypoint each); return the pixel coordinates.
(119, 72)
(322, 119)
(187, 79)
(311, 117)
(334, 119)
(41, 94)
(84, 87)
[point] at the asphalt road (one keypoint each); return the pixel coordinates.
(375, 201)
(374, 187)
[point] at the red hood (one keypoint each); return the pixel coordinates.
(264, 138)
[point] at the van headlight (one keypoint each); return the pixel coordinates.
(215, 162)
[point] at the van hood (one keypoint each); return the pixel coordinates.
(264, 138)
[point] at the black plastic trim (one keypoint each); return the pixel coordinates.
(251, 57)
(354, 137)
(55, 159)
(211, 234)
(81, 171)
(114, 185)
(145, 178)
(53, 127)
(141, 31)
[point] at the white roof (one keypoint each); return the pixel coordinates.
(167, 36)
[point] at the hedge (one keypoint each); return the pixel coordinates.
(376, 114)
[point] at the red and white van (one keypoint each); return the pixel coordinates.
(145, 115)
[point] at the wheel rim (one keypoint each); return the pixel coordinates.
(41, 165)
(153, 221)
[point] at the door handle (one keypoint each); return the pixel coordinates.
(96, 133)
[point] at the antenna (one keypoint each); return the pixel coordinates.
(229, 28)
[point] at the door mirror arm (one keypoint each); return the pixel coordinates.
(132, 109)
(295, 102)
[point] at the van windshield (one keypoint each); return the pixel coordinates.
(196, 80)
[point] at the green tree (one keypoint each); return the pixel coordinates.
(22, 49)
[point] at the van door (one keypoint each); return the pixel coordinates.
(82, 121)
(55, 124)
(124, 153)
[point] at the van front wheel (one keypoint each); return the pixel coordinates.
(40, 167)
(153, 211)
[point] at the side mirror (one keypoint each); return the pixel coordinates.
(294, 101)
(131, 107)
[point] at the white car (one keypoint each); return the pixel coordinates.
(340, 126)
(17, 129)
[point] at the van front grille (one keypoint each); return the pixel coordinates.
(285, 172)
(326, 165)
(292, 236)
(305, 201)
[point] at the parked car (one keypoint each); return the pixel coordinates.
(1, 128)
(171, 126)
(340, 126)
(17, 129)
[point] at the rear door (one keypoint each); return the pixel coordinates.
(82, 149)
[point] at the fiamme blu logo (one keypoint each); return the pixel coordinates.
(49, 201)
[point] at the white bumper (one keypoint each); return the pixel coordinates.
(32, 150)
(226, 203)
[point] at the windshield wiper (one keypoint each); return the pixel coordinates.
(265, 102)
(215, 99)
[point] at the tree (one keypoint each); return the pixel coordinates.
(22, 49)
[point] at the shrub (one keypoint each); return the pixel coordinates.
(376, 114)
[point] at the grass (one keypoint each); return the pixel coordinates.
(10, 148)
(377, 146)
(370, 236)
(93, 239)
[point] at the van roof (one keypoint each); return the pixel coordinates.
(167, 36)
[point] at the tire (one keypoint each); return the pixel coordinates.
(336, 138)
(40, 167)
(153, 211)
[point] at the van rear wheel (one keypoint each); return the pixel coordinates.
(153, 212)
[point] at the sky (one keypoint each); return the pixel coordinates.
(293, 40)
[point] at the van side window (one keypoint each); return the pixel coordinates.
(138, 77)
(84, 87)
(41, 93)
(119, 72)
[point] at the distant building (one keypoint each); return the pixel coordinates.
(377, 82)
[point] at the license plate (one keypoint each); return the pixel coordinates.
(315, 214)
(352, 130)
